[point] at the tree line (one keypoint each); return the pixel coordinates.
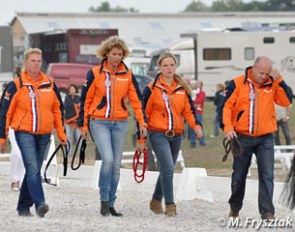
(217, 6)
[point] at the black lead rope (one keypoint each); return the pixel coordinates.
(65, 151)
(232, 145)
(82, 153)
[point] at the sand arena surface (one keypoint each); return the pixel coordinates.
(75, 206)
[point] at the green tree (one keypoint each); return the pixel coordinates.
(196, 6)
(227, 5)
(281, 5)
(106, 7)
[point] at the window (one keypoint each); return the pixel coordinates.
(292, 40)
(216, 54)
(249, 53)
(268, 40)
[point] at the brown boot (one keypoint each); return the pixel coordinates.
(233, 214)
(170, 210)
(156, 206)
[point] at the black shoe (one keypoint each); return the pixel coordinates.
(115, 213)
(42, 210)
(25, 213)
(104, 208)
(193, 145)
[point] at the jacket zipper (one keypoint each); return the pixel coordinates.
(258, 112)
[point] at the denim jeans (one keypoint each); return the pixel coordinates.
(33, 148)
(73, 134)
(166, 150)
(192, 135)
(109, 137)
(263, 148)
(216, 124)
(286, 131)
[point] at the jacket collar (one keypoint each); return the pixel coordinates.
(43, 80)
(104, 67)
(249, 78)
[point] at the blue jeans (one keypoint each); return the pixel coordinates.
(73, 134)
(33, 148)
(166, 150)
(286, 131)
(109, 137)
(216, 124)
(192, 135)
(263, 148)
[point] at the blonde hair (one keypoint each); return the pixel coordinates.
(31, 51)
(177, 77)
(220, 86)
(110, 43)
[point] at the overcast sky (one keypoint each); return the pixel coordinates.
(8, 9)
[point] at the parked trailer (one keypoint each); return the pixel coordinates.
(220, 56)
(6, 60)
(71, 46)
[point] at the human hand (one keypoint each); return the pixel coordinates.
(141, 146)
(85, 135)
(2, 147)
(142, 132)
(199, 132)
(64, 142)
(275, 74)
(285, 119)
(230, 134)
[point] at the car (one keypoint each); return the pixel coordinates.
(143, 81)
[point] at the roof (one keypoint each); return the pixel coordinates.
(146, 29)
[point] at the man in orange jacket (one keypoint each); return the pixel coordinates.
(249, 115)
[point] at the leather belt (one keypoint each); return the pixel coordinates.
(168, 133)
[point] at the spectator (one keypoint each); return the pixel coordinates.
(199, 102)
(283, 115)
(218, 101)
(71, 106)
(17, 169)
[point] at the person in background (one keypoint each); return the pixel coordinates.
(249, 116)
(17, 169)
(199, 101)
(218, 101)
(71, 106)
(167, 102)
(32, 107)
(283, 115)
(104, 110)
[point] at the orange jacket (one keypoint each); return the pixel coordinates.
(34, 107)
(104, 96)
(165, 107)
(249, 107)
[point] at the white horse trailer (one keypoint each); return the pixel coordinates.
(223, 55)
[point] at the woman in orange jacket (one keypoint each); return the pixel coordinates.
(32, 107)
(104, 109)
(167, 101)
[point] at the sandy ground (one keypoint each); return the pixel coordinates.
(74, 206)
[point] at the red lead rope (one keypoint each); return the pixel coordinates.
(137, 160)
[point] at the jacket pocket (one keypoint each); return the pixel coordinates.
(239, 115)
(123, 104)
(102, 103)
(20, 122)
